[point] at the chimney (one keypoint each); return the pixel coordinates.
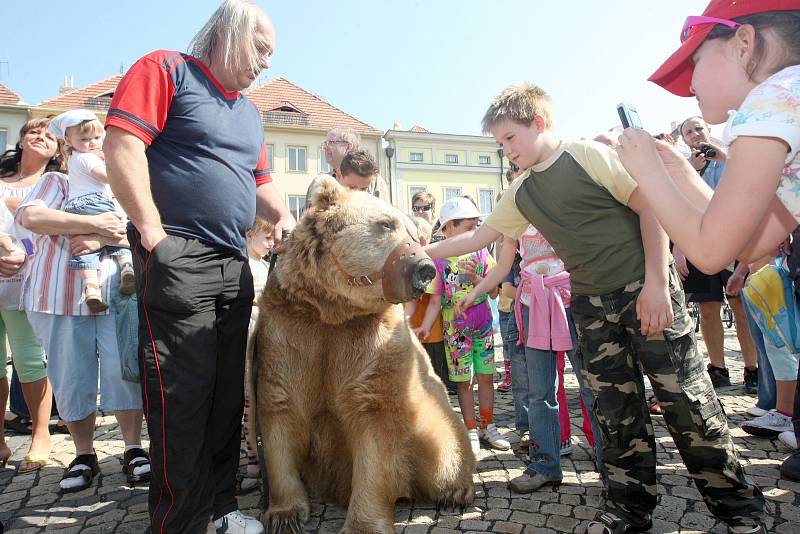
(69, 85)
(397, 126)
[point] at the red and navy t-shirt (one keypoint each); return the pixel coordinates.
(206, 151)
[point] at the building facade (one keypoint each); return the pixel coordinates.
(13, 115)
(445, 165)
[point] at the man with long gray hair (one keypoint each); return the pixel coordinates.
(186, 158)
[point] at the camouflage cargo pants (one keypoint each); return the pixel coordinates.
(613, 349)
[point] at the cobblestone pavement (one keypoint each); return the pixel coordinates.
(30, 503)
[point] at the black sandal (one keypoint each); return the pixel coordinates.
(19, 425)
(608, 523)
(132, 459)
(85, 467)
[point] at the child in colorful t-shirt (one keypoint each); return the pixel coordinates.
(469, 338)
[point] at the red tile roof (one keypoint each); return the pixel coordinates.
(86, 97)
(7, 96)
(419, 129)
(282, 103)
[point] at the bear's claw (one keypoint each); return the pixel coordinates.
(461, 497)
(289, 521)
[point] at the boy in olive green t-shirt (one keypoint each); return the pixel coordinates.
(629, 309)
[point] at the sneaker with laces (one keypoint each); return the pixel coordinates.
(788, 438)
(755, 411)
(751, 380)
(492, 437)
(769, 425)
(474, 440)
(566, 448)
(530, 481)
(720, 377)
(238, 523)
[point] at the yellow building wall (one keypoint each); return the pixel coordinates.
(436, 182)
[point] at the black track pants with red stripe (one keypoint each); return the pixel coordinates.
(194, 308)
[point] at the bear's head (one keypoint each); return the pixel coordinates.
(353, 254)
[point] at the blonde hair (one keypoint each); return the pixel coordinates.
(87, 127)
(261, 225)
(425, 197)
(229, 31)
(521, 103)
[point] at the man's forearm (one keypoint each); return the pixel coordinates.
(129, 177)
(269, 205)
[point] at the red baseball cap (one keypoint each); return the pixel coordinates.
(675, 74)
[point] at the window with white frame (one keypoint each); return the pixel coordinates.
(485, 200)
(415, 156)
(451, 158)
(296, 158)
(3, 139)
(484, 160)
(270, 153)
(451, 192)
(324, 166)
(297, 205)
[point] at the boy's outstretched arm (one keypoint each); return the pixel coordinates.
(463, 243)
(653, 306)
(493, 278)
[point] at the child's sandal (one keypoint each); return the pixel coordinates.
(94, 298)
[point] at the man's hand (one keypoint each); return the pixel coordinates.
(13, 260)
(152, 237)
(469, 269)
(286, 222)
(654, 309)
(108, 224)
(734, 285)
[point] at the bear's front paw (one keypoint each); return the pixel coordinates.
(458, 496)
(286, 520)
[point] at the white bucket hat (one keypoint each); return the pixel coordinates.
(458, 208)
(58, 125)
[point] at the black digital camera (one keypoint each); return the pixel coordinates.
(707, 151)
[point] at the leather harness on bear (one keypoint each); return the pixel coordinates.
(394, 275)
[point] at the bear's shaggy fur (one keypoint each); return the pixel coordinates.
(347, 400)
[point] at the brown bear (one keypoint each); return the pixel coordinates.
(347, 400)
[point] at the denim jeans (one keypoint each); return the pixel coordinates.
(576, 361)
(94, 204)
(767, 392)
(543, 421)
(519, 370)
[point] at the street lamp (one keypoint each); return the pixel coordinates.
(389, 154)
(500, 155)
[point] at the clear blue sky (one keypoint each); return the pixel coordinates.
(436, 63)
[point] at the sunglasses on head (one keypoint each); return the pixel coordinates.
(695, 21)
(417, 209)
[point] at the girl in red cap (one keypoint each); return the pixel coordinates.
(739, 55)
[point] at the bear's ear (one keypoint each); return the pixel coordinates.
(326, 192)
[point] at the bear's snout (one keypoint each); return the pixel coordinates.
(424, 271)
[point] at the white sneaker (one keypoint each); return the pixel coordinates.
(474, 440)
(788, 438)
(491, 436)
(238, 523)
(755, 411)
(769, 425)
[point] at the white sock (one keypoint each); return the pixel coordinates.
(142, 469)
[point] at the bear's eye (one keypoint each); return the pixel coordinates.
(388, 225)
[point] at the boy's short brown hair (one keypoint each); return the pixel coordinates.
(261, 225)
(359, 162)
(520, 103)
